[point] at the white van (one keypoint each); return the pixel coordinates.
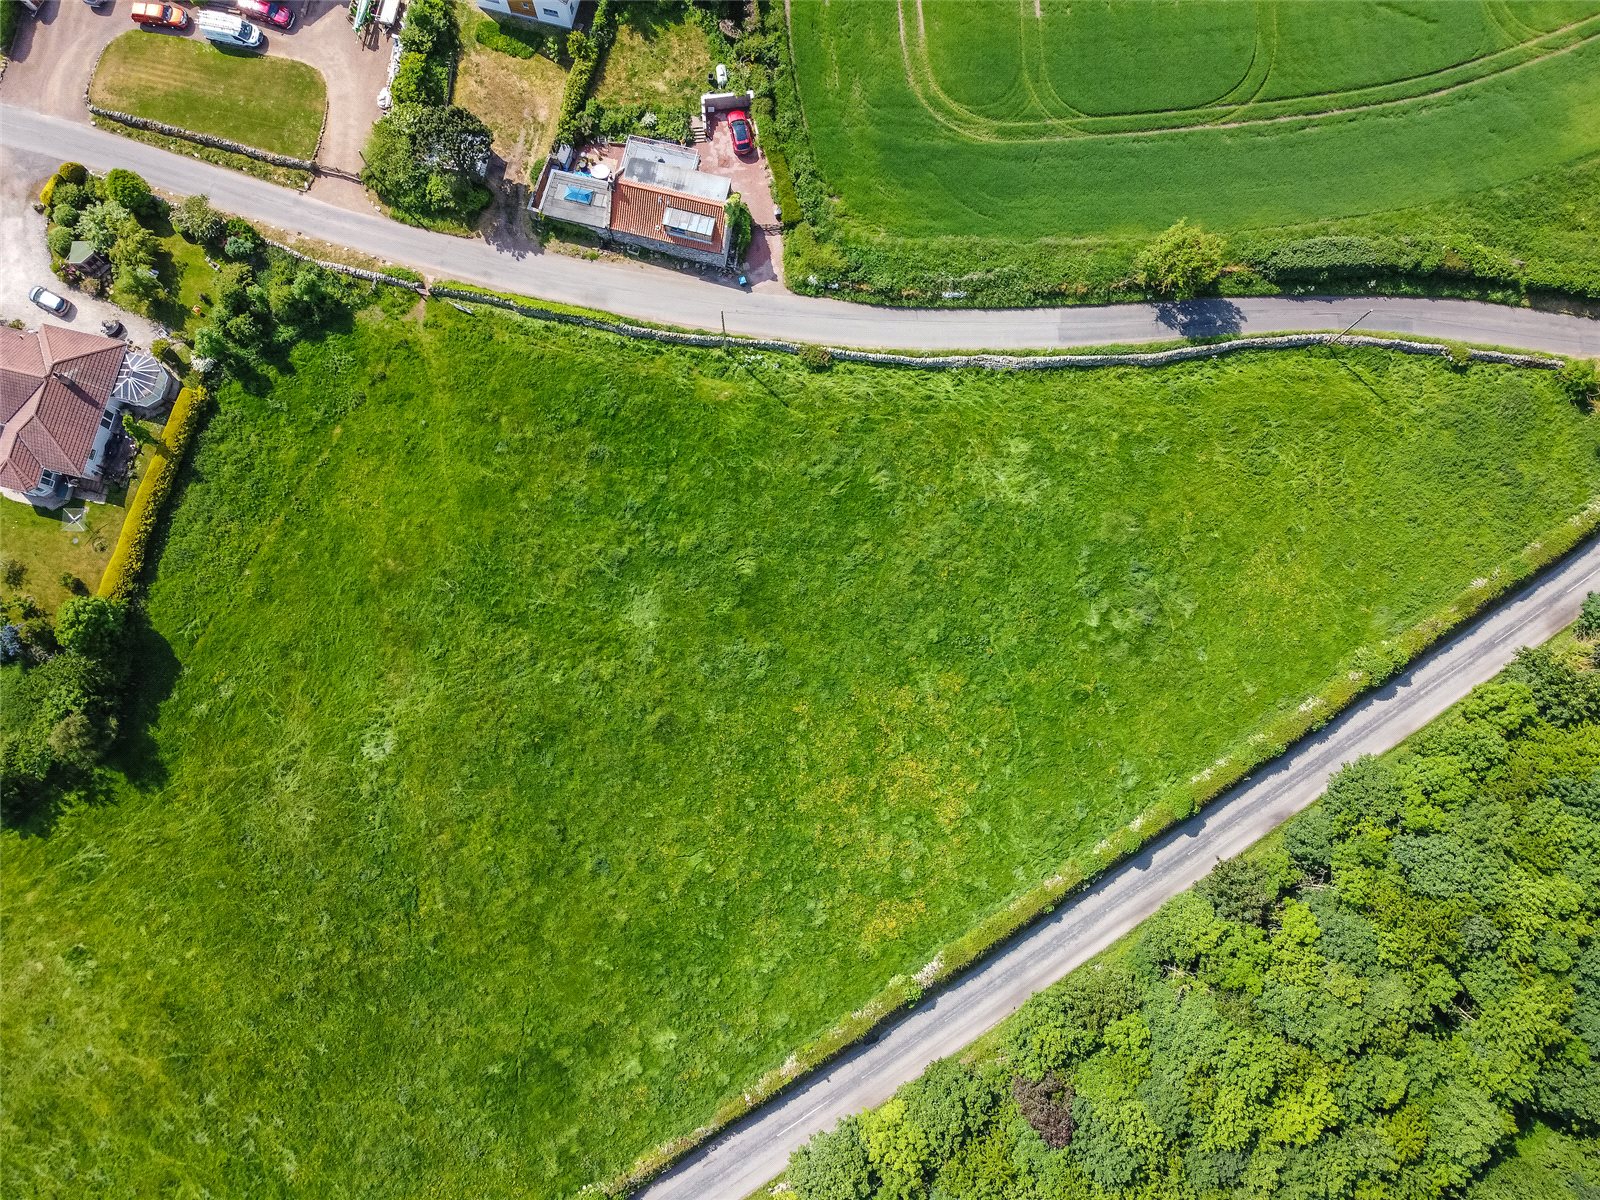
(227, 29)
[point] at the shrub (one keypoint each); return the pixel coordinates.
(740, 226)
(10, 22)
(426, 160)
(816, 358)
(238, 248)
(12, 572)
(514, 39)
(48, 192)
(1460, 357)
(121, 579)
(1182, 262)
(71, 172)
(1047, 1107)
(59, 239)
(197, 221)
(65, 215)
(73, 194)
(410, 84)
(1580, 379)
(1588, 623)
(129, 190)
(160, 347)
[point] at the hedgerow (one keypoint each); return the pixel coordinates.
(124, 570)
(588, 52)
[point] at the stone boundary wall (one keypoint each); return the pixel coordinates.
(1000, 362)
(206, 139)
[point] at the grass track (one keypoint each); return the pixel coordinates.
(270, 103)
(568, 727)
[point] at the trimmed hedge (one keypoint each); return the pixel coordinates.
(121, 579)
(584, 69)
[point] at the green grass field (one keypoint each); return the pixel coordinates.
(270, 103)
(568, 728)
(1015, 122)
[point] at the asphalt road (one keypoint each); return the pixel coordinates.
(756, 1150)
(33, 140)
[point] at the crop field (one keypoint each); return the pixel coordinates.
(549, 733)
(1047, 119)
(270, 103)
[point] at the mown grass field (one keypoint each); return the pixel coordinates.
(568, 728)
(1022, 121)
(264, 101)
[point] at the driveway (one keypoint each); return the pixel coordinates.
(763, 261)
(55, 53)
(25, 260)
(55, 56)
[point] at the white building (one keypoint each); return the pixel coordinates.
(560, 13)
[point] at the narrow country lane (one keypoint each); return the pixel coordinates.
(757, 1149)
(33, 141)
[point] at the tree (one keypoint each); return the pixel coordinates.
(129, 190)
(102, 224)
(1180, 263)
(91, 626)
(1241, 889)
(59, 239)
(196, 220)
(426, 159)
(833, 1166)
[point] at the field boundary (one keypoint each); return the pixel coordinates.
(1368, 668)
(983, 361)
(210, 139)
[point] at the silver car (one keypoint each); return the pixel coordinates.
(49, 301)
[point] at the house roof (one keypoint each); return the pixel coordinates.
(54, 385)
(581, 199)
(645, 160)
(640, 209)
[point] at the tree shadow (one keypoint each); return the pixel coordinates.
(1213, 317)
(153, 675)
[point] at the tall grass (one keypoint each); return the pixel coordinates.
(568, 728)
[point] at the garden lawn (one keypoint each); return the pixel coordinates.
(270, 103)
(944, 128)
(656, 60)
(568, 728)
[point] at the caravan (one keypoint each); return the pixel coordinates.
(227, 30)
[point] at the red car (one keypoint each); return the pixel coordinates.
(744, 133)
(162, 16)
(271, 11)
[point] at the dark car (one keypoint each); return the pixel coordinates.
(273, 12)
(744, 133)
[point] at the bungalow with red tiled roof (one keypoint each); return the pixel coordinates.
(62, 394)
(658, 199)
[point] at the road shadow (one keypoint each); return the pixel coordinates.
(1213, 317)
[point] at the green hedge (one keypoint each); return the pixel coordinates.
(584, 69)
(121, 579)
(10, 21)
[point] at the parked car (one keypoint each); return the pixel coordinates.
(744, 133)
(159, 16)
(95, 3)
(228, 30)
(49, 301)
(273, 12)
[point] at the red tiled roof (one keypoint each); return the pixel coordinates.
(54, 385)
(636, 208)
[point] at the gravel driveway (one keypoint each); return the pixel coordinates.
(25, 260)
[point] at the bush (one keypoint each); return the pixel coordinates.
(1183, 262)
(160, 347)
(71, 172)
(1580, 379)
(121, 579)
(740, 226)
(73, 194)
(65, 215)
(12, 572)
(238, 248)
(815, 358)
(1588, 623)
(515, 39)
(10, 22)
(48, 192)
(59, 239)
(91, 625)
(197, 221)
(414, 83)
(425, 160)
(130, 191)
